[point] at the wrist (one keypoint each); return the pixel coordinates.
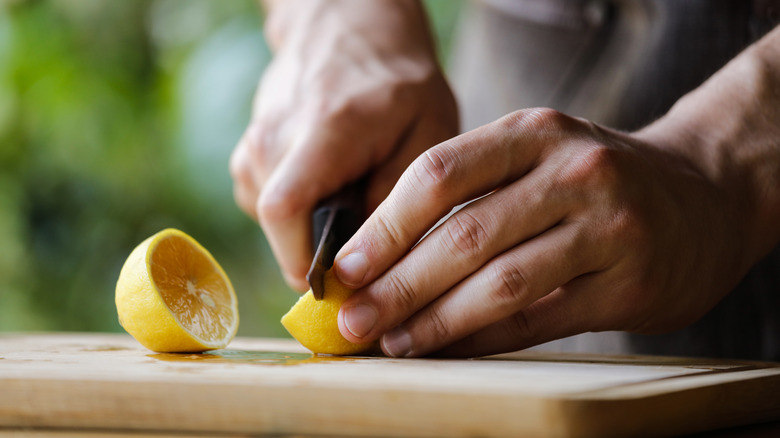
(728, 130)
(377, 21)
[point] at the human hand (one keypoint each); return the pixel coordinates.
(354, 87)
(578, 228)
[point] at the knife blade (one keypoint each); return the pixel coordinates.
(334, 221)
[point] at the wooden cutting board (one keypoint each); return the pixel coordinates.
(88, 382)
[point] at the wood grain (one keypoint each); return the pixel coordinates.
(104, 383)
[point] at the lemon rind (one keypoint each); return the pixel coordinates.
(336, 345)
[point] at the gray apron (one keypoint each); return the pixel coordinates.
(622, 64)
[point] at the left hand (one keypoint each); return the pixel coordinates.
(354, 90)
(578, 228)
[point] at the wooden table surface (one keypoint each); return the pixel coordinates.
(107, 385)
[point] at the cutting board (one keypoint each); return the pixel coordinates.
(107, 382)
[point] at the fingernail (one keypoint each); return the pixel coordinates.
(360, 319)
(352, 269)
(397, 342)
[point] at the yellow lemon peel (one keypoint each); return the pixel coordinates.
(315, 325)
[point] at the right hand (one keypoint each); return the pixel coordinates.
(354, 88)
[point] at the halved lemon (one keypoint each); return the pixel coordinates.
(315, 325)
(172, 296)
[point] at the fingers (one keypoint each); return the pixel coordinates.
(281, 168)
(460, 246)
(507, 285)
(245, 190)
(494, 258)
(437, 123)
(280, 183)
(243, 170)
(449, 174)
(273, 200)
(422, 136)
(306, 174)
(567, 311)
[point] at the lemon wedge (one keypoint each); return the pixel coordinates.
(172, 296)
(315, 323)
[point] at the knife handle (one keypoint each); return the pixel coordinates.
(348, 205)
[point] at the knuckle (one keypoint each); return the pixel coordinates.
(538, 120)
(255, 136)
(547, 119)
(404, 92)
(389, 233)
(341, 112)
(259, 144)
(399, 293)
(618, 216)
(509, 286)
(278, 205)
(238, 166)
(538, 196)
(623, 229)
(629, 226)
(349, 107)
(434, 170)
(519, 327)
(437, 325)
(466, 233)
(595, 166)
(244, 201)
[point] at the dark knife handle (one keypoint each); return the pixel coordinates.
(348, 205)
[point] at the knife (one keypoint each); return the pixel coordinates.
(334, 221)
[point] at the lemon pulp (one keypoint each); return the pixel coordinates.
(172, 296)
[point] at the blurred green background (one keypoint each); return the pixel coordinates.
(117, 119)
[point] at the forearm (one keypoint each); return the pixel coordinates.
(729, 128)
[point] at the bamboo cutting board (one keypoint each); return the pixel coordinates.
(80, 382)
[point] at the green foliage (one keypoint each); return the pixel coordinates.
(443, 16)
(117, 119)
